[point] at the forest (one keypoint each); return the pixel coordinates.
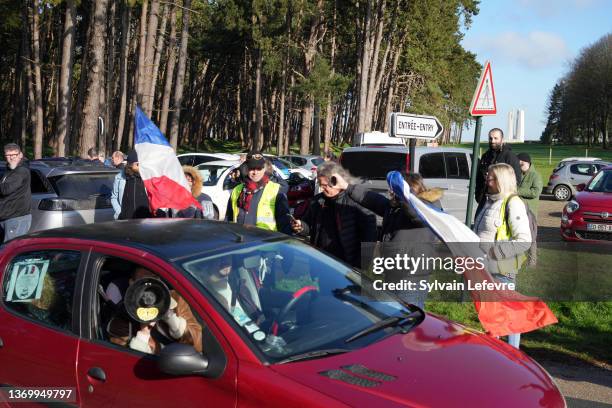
(580, 104)
(268, 74)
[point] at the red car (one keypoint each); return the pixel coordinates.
(287, 326)
(588, 216)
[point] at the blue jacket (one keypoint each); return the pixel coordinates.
(117, 194)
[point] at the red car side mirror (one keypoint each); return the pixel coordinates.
(580, 187)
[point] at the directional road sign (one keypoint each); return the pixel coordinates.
(415, 126)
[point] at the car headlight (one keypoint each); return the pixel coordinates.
(572, 206)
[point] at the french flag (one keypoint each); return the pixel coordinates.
(160, 169)
(510, 312)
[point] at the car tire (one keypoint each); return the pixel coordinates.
(562, 192)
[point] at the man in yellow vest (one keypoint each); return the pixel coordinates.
(257, 201)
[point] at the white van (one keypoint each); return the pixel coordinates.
(377, 139)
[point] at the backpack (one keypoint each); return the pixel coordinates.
(532, 256)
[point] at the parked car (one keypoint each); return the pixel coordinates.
(447, 168)
(568, 174)
(69, 192)
(193, 159)
(305, 161)
(294, 168)
(312, 340)
(588, 216)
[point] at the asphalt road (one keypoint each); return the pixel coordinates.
(583, 385)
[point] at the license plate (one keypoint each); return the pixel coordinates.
(599, 227)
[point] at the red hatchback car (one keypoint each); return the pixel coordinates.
(261, 321)
(588, 216)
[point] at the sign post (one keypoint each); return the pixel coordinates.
(414, 127)
(483, 104)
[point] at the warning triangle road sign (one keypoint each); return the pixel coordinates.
(483, 102)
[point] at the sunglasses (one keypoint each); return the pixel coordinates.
(11, 156)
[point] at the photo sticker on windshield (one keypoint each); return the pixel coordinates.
(26, 280)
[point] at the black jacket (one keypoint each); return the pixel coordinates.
(281, 212)
(135, 203)
(400, 222)
(354, 225)
(15, 192)
(504, 155)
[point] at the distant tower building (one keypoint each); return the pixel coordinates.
(520, 126)
(510, 132)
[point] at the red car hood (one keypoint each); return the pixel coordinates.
(438, 364)
(594, 201)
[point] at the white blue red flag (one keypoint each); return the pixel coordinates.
(511, 312)
(160, 169)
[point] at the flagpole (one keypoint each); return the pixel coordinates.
(474, 171)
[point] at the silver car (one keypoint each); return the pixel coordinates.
(67, 192)
(447, 168)
(305, 161)
(568, 174)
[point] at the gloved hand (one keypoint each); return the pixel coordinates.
(176, 324)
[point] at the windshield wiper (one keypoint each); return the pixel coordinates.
(388, 322)
(313, 354)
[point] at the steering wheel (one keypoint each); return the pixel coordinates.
(296, 297)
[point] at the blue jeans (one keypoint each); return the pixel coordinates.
(514, 339)
(14, 227)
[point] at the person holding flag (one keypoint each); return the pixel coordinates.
(509, 312)
(134, 200)
(162, 175)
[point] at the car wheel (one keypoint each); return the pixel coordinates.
(562, 192)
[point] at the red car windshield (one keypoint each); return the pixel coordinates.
(601, 183)
(287, 299)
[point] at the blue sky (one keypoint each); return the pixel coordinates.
(530, 44)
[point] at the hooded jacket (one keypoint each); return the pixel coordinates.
(400, 222)
(503, 155)
(15, 192)
(208, 209)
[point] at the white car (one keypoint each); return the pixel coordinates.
(297, 169)
(194, 159)
(218, 184)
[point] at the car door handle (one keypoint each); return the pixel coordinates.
(1, 343)
(97, 373)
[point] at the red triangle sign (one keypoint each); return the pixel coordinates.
(483, 102)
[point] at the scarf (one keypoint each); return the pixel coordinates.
(250, 189)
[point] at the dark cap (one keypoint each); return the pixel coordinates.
(524, 157)
(132, 157)
(255, 160)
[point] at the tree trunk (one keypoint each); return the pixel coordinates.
(65, 86)
(147, 96)
(316, 135)
(307, 109)
(180, 77)
(38, 132)
(328, 109)
(111, 88)
(158, 53)
(257, 126)
(142, 46)
(123, 72)
(170, 65)
(91, 107)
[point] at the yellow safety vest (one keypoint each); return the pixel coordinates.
(265, 208)
(509, 266)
